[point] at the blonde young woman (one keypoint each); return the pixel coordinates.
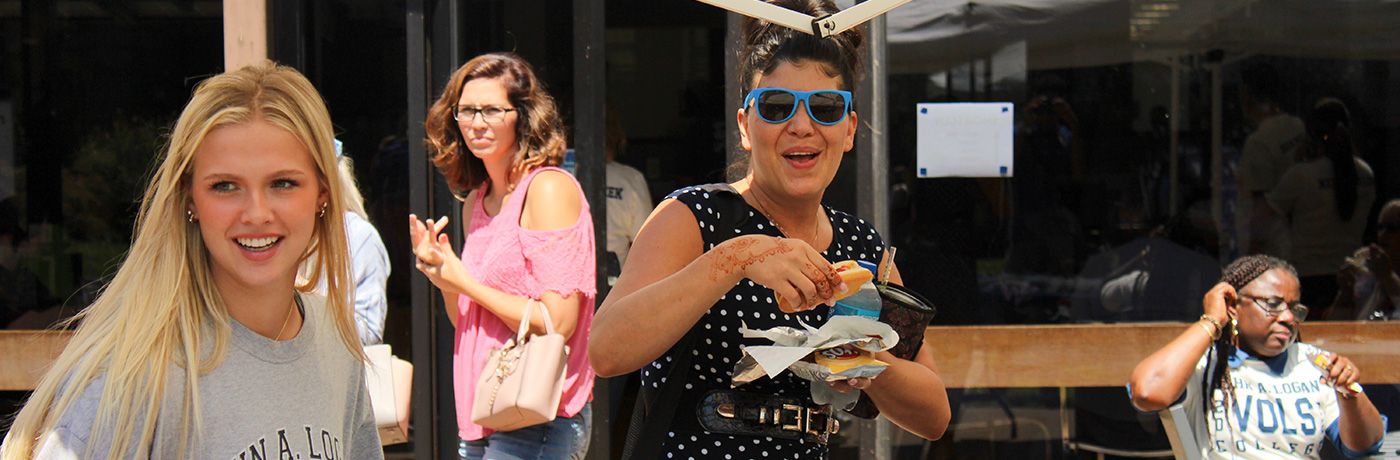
(494, 134)
(203, 345)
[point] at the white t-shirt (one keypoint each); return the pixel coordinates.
(1321, 240)
(301, 398)
(1267, 153)
(629, 204)
(1281, 409)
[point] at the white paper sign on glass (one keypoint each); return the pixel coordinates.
(965, 139)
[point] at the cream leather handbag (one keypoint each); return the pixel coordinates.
(521, 383)
(390, 383)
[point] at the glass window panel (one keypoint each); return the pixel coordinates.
(1137, 149)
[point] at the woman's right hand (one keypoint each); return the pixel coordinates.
(1217, 302)
(788, 266)
(426, 246)
(1161, 377)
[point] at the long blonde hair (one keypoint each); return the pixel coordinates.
(162, 307)
(352, 199)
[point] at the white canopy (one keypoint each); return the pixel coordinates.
(927, 36)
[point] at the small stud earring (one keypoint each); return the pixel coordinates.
(189, 216)
(323, 209)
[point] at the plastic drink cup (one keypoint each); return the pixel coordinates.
(865, 303)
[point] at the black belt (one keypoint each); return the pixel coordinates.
(733, 412)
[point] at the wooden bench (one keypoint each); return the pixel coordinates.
(25, 355)
(1091, 355)
(1100, 355)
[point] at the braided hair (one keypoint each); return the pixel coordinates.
(1238, 274)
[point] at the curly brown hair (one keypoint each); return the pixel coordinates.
(537, 130)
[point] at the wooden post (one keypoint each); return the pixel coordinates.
(245, 32)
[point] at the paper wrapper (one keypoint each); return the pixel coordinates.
(792, 345)
(1320, 359)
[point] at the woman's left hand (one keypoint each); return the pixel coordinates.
(854, 383)
(1341, 371)
(845, 386)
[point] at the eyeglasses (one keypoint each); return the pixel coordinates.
(1388, 227)
(1275, 306)
(489, 114)
(776, 105)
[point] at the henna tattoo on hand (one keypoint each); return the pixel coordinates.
(737, 258)
(819, 279)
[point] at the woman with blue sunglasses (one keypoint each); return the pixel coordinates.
(716, 258)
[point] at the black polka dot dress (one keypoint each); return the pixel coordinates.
(718, 346)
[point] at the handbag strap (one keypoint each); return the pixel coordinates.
(524, 328)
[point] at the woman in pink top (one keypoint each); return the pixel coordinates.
(495, 135)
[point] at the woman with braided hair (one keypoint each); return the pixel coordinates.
(1326, 199)
(1267, 399)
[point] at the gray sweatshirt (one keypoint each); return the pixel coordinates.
(304, 399)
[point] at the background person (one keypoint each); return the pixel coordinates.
(1244, 357)
(1325, 199)
(629, 204)
(246, 191)
(1268, 151)
(1369, 286)
(369, 261)
(629, 199)
(494, 134)
(1049, 161)
(689, 270)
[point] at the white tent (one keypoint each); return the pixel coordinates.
(928, 36)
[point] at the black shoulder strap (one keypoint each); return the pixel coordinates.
(650, 421)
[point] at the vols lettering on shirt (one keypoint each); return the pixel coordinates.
(319, 444)
(1270, 416)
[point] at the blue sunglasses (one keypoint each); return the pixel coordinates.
(777, 105)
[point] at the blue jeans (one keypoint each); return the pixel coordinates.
(561, 439)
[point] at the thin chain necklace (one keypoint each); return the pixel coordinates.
(285, 321)
(816, 224)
